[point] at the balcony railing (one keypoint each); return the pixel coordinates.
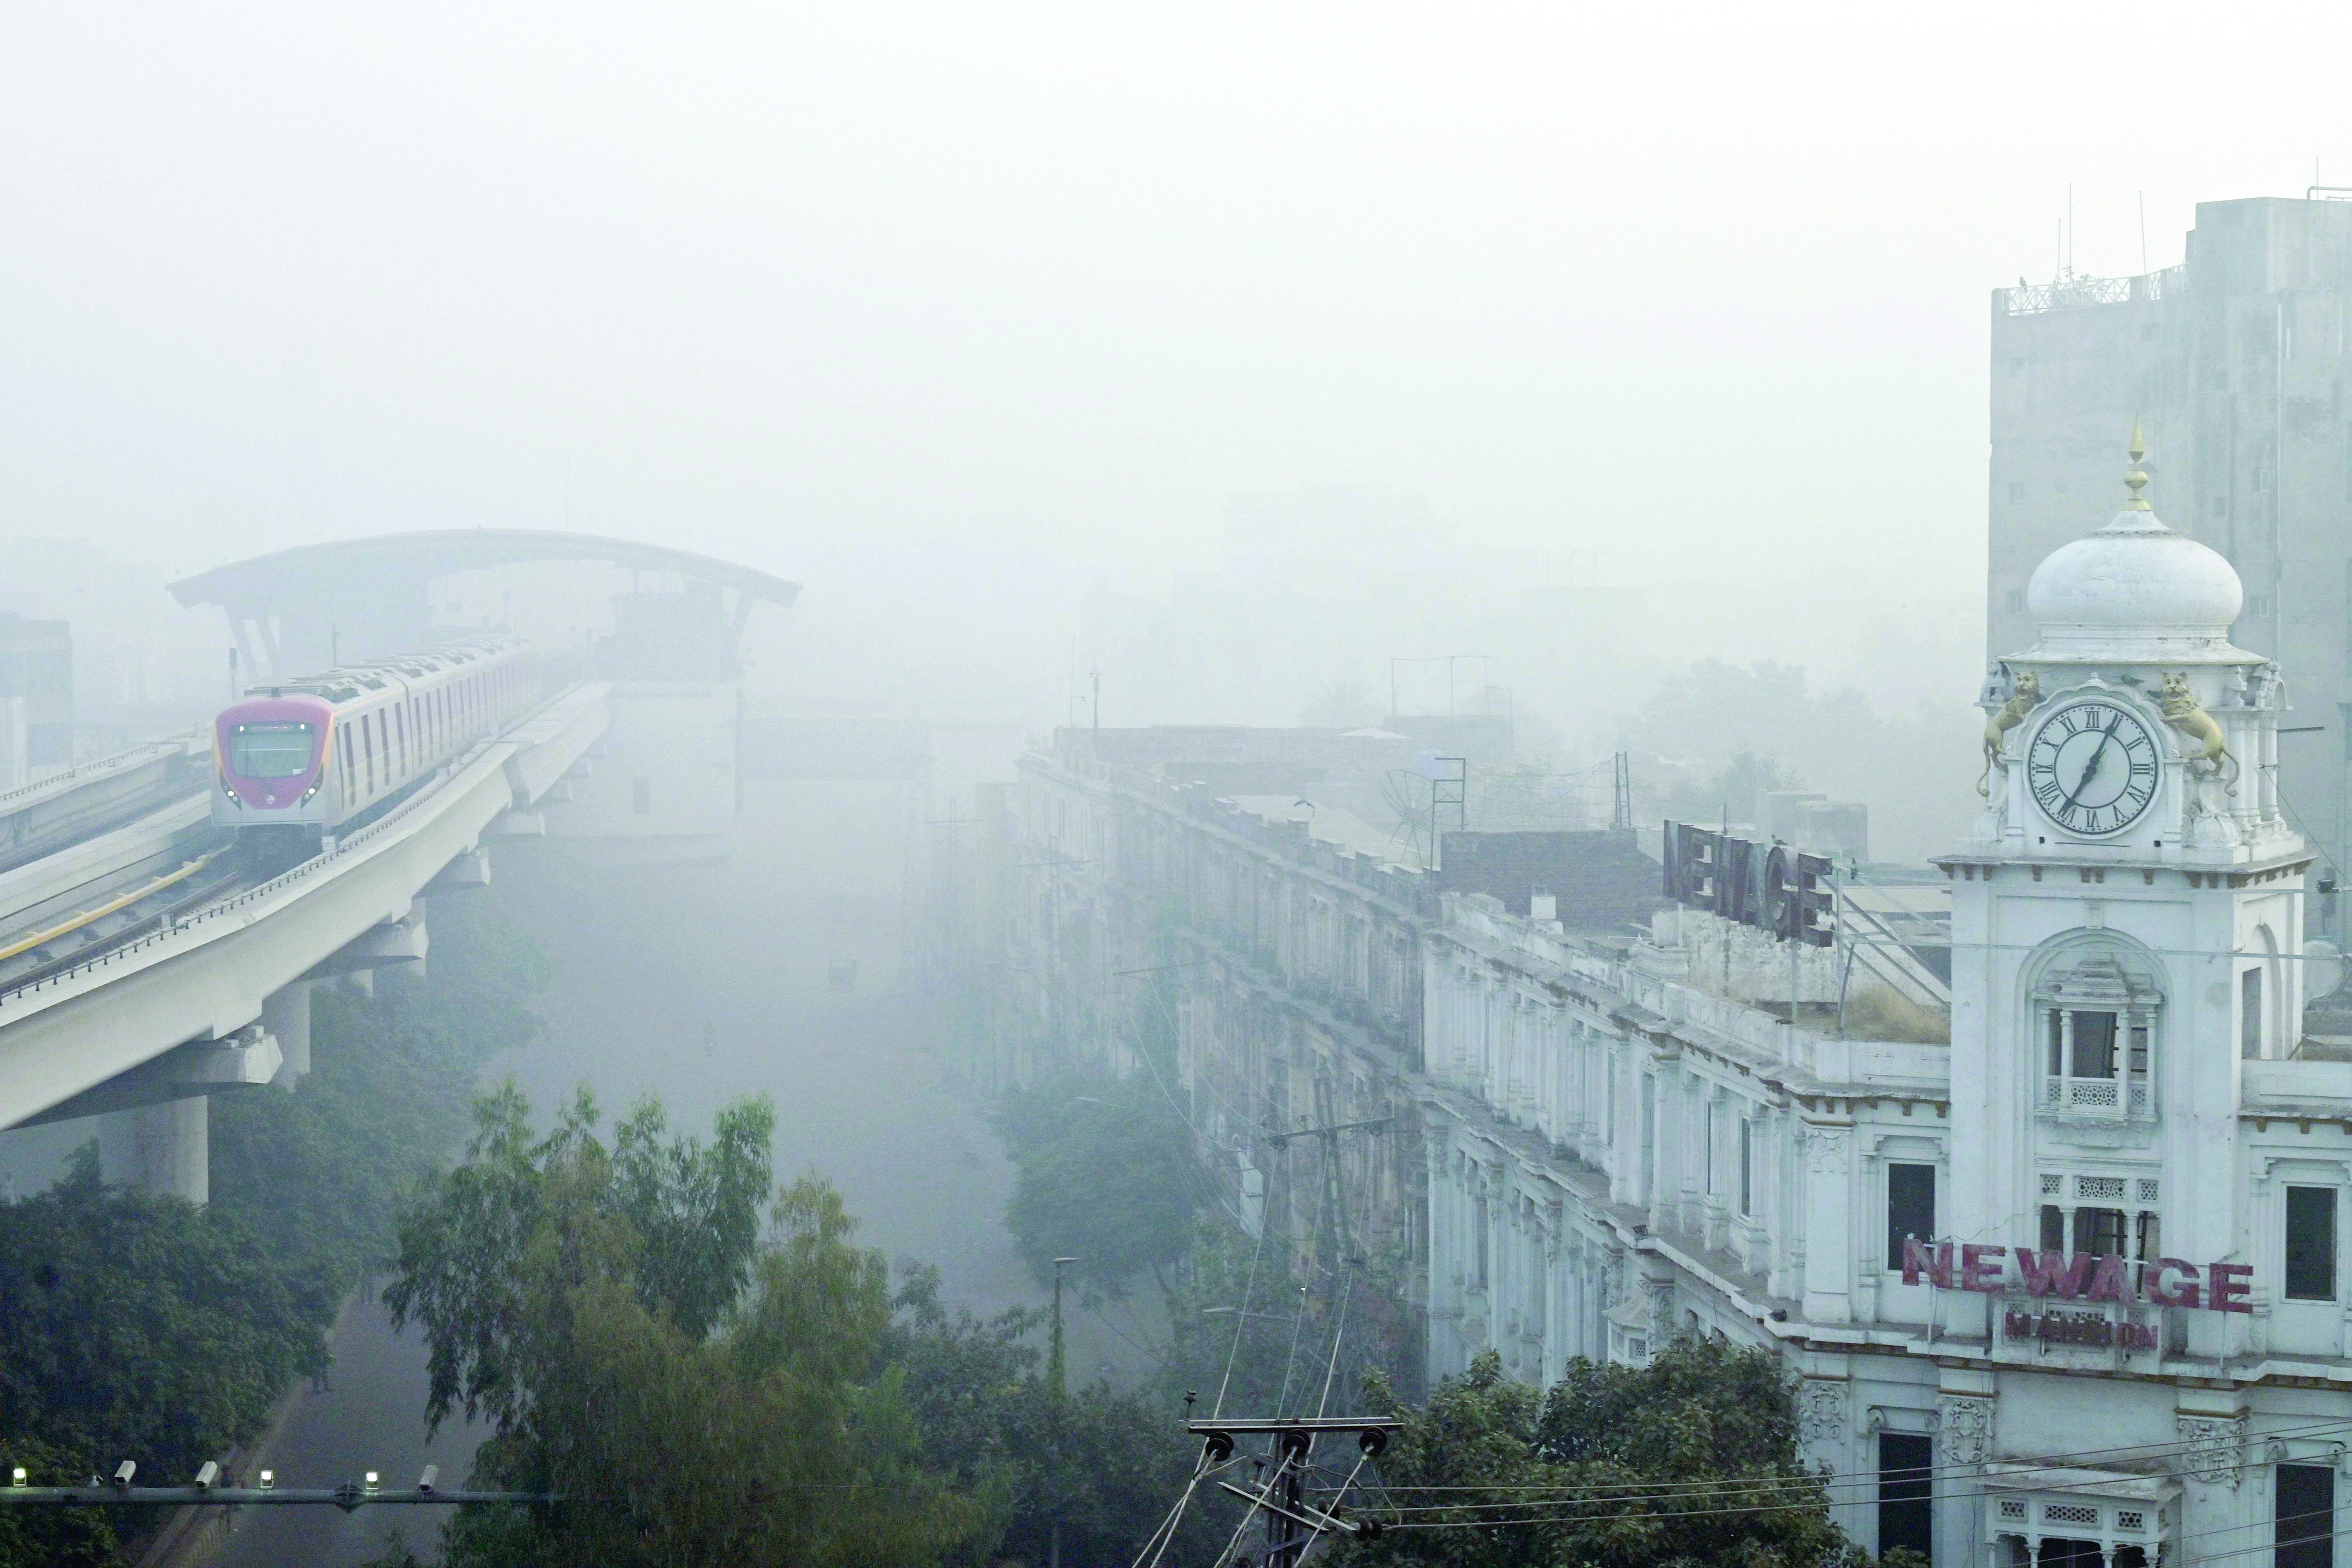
(2080, 293)
(2100, 1098)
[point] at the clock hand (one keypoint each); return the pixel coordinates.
(2092, 768)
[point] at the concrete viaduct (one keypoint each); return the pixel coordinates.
(139, 975)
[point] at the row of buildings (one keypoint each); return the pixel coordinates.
(2032, 1173)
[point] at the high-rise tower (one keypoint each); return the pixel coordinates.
(2236, 362)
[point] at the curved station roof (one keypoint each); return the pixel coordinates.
(304, 609)
(256, 585)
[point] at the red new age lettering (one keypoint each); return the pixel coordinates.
(2048, 1273)
(2110, 1283)
(1916, 1261)
(2188, 1293)
(2232, 1292)
(1981, 1267)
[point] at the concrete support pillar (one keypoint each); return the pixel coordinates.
(285, 1013)
(160, 1148)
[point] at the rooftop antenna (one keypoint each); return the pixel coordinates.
(2069, 229)
(2143, 232)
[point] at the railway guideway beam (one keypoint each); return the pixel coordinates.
(91, 1024)
(402, 940)
(156, 1131)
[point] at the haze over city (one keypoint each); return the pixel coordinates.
(1438, 717)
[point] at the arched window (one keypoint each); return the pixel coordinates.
(2095, 1015)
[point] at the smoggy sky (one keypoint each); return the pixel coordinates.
(834, 289)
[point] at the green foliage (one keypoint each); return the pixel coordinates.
(1102, 1464)
(141, 1327)
(686, 1217)
(53, 1537)
(1103, 1172)
(697, 1393)
(1734, 787)
(1341, 702)
(1575, 1474)
(1915, 769)
(319, 1175)
(1235, 1325)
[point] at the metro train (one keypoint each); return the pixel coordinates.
(299, 759)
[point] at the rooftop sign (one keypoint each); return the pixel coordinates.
(1775, 888)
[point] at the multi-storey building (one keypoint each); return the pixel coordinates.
(2236, 363)
(1259, 954)
(1265, 952)
(2065, 1289)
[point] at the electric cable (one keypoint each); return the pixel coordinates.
(1282, 1400)
(1339, 1332)
(1849, 1480)
(1958, 1494)
(1240, 1320)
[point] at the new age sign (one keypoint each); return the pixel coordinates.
(2079, 1276)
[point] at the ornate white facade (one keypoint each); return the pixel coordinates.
(2084, 1262)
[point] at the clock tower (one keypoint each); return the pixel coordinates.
(2126, 921)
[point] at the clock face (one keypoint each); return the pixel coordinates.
(2093, 768)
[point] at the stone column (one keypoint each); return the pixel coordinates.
(1828, 1211)
(286, 1014)
(162, 1148)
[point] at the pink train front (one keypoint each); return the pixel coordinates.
(324, 754)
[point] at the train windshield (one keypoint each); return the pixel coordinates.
(269, 750)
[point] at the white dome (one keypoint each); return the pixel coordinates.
(2135, 589)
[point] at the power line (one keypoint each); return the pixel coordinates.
(1848, 1479)
(1958, 1494)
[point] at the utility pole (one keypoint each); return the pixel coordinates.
(1056, 1366)
(232, 674)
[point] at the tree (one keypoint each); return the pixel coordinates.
(1916, 771)
(1340, 704)
(696, 1392)
(139, 1326)
(1103, 1172)
(1101, 1464)
(54, 1537)
(319, 1175)
(1604, 1468)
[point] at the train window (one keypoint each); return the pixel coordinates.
(269, 750)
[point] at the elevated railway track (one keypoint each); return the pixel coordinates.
(153, 941)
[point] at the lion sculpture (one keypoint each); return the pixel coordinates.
(2023, 693)
(2182, 713)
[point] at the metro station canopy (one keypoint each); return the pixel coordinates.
(302, 609)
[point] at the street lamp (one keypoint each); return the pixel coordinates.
(1057, 1372)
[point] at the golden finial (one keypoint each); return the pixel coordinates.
(2137, 479)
